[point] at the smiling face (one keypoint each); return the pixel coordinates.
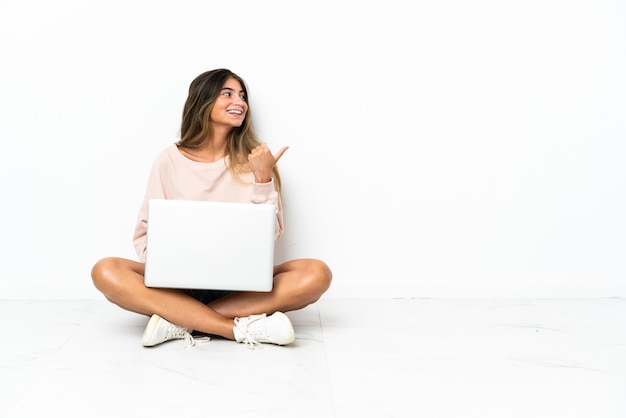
(230, 107)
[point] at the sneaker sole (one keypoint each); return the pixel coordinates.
(149, 331)
(290, 336)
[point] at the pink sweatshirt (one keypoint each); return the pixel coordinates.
(174, 176)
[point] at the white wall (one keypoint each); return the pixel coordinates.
(446, 148)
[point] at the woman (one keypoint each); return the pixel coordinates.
(219, 158)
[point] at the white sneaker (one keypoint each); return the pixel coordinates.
(159, 330)
(257, 329)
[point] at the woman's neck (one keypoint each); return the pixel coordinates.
(208, 152)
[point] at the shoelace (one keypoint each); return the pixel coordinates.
(250, 340)
(190, 340)
(174, 332)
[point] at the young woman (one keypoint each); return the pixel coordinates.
(219, 158)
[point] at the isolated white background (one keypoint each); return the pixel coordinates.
(446, 148)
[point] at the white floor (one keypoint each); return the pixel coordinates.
(351, 358)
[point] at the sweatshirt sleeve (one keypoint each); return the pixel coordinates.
(154, 190)
(266, 193)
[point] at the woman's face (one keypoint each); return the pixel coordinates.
(231, 106)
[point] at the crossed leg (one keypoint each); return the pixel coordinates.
(297, 283)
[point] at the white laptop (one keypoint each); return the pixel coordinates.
(210, 245)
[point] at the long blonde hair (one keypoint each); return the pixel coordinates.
(196, 124)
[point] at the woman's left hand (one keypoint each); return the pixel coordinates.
(262, 162)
